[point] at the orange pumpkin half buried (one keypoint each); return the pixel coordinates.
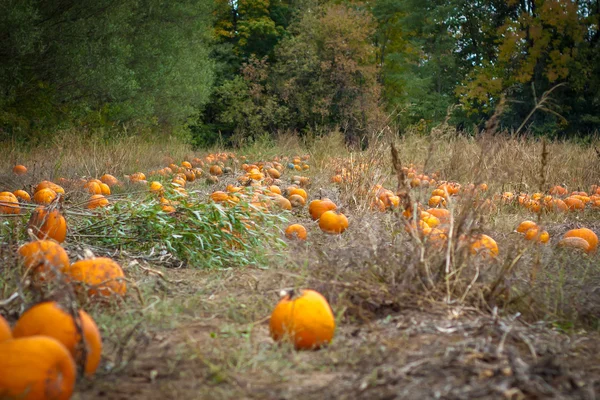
(49, 319)
(304, 318)
(103, 276)
(36, 368)
(42, 257)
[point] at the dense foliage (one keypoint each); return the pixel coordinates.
(233, 70)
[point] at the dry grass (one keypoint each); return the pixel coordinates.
(415, 320)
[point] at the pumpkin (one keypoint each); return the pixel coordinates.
(44, 196)
(575, 242)
(5, 333)
(585, 234)
(331, 222)
(96, 201)
(219, 197)
(440, 213)
(295, 231)
(317, 207)
(49, 185)
(48, 224)
(282, 202)
(22, 195)
(437, 201)
(274, 173)
(574, 203)
(485, 245)
(137, 177)
(297, 201)
(36, 368)
(42, 257)
(93, 187)
(294, 190)
(9, 204)
(304, 318)
(525, 226)
(109, 180)
(104, 189)
(156, 187)
(537, 235)
(49, 319)
(19, 169)
(102, 275)
(186, 164)
(215, 170)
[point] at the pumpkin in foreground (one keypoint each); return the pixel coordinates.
(304, 318)
(36, 368)
(5, 333)
(49, 319)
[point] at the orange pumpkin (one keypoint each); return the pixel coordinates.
(102, 275)
(585, 234)
(43, 257)
(574, 203)
(440, 213)
(49, 185)
(44, 196)
(109, 180)
(19, 169)
(485, 245)
(317, 207)
(97, 201)
(296, 231)
(525, 226)
(49, 319)
(36, 368)
(5, 333)
(156, 187)
(297, 201)
(304, 318)
(575, 242)
(215, 170)
(294, 190)
(22, 195)
(330, 222)
(186, 164)
(9, 204)
(47, 224)
(538, 235)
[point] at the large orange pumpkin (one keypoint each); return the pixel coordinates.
(304, 318)
(20, 169)
(587, 234)
(102, 275)
(42, 257)
(36, 368)
(330, 222)
(5, 333)
(49, 185)
(318, 207)
(47, 224)
(49, 319)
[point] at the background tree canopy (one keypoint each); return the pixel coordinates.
(234, 69)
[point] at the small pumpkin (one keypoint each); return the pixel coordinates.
(36, 368)
(525, 226)
(49, 319)
(48, 224)
(49, 185)
(297, 201)
(317, 207)
(304, 318)
(331, 222)
(19, 169)
(296, 231)
(109, 180)
(215, 170)
(102, 275)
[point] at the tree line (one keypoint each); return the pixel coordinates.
(230, 70)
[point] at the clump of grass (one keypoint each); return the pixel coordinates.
(199, 234)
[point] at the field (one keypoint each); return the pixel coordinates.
(418, 314)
